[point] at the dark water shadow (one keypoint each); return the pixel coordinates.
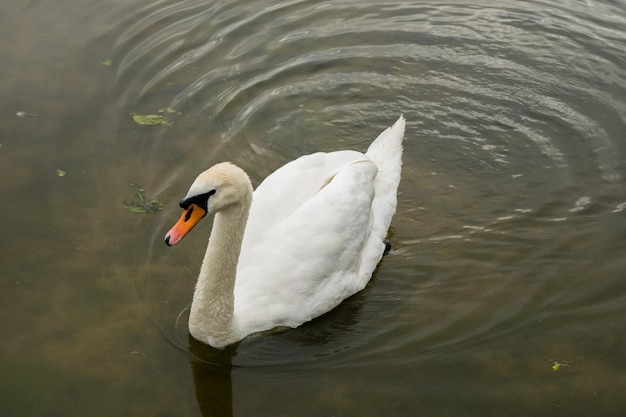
(211, 369)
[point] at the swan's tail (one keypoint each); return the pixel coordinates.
(386, 153)
(386, 150)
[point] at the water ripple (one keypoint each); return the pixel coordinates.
(514, 152)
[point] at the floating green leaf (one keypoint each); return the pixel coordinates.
(559, 365)
(139, 203)
(151, 119)
(107, 63)
(164, 116)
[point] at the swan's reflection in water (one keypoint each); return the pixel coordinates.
(211, 369)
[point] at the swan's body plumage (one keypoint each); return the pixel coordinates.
(313, 237)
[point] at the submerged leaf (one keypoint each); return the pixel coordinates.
(144, 205)
(107, 63)
(60, 173)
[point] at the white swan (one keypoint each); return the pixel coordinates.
(309, 237)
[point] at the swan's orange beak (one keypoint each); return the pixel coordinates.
(191, 216)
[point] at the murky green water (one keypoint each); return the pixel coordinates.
(504, 293)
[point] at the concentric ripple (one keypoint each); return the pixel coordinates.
(514, 162)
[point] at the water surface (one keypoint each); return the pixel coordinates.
(504, 293)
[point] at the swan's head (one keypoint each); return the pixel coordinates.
(219, 188)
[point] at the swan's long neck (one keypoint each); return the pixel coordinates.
(211, 319)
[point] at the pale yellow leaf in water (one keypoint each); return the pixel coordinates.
(60, 173)
(150, 119)
(107, 63)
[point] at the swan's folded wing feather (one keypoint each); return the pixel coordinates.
(287, 188)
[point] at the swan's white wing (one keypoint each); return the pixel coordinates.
(304, 257)
(287, 188)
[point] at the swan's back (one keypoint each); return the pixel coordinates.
(316, 232)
